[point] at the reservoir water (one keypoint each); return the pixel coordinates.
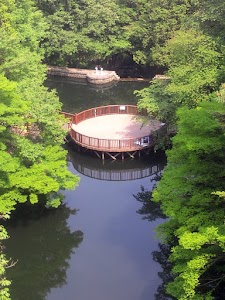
(101, 244)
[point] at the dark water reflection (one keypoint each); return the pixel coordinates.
(151, 211)
(114, 260)
(42, 243)
(104, 250)
(77, 97)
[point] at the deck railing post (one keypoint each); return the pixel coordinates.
(75, 119)
(131, 140)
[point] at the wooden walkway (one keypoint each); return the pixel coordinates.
(114, 130)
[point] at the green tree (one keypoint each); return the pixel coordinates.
(191, 195)
(33, 161)
(83, 32)
(193, 63)
(4, 263)
(152, 25)
(87, 31)
(211, 15)
(33, 164)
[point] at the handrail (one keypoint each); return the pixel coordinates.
(104, 110)
(67, 115)
(108, 145)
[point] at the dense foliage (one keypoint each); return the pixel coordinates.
(86, 32)
(33, 164)
(191, 194)
(183, 37)
(192, 190)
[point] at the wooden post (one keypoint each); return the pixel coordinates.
(110, 155)
(97, 154)
(131, 143)
(75, 119)
(103, 155)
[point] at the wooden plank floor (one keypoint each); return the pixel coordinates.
(117, 126)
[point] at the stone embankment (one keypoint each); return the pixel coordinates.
(95, 77)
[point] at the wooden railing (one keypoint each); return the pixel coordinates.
(104, 110)
(118, 175)
(69, 118)
(108, 145)
(67, 115)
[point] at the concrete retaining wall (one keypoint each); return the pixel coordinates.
(98, 77)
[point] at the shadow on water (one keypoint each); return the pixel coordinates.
(44, 245)
(151, 211)
(162, 257)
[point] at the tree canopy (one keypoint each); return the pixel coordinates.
(33, 163)
(83, 32)
(191, 193)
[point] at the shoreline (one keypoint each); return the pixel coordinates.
(97, 77)
(93, 77)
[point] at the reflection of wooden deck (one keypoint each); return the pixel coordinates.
(113, 130)
(118, 175)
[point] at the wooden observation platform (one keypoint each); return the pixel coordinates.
(113, 130)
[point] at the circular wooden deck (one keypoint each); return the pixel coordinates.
(115, 127)
(112, 129)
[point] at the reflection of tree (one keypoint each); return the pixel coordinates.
(162, 257)
(43, 246)
(77, 97)
(149, 210)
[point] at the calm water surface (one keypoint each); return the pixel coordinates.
(97, 245)
(78, 97)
